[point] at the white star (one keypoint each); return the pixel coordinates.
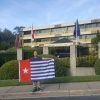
(25, 70)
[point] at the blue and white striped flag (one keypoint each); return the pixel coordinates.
(42, 69)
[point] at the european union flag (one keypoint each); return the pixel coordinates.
(77, 29)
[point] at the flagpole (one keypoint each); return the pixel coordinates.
(76, 38)
(31, 35)
(19, 70)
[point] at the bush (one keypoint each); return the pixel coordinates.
(13, 49)
(28, 52)
(87, 61)
(7, 56)
(97, 67)
(60, 65)
(9, 70)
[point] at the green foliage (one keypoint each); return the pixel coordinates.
(7, 56)
(82, 50)
(61, 65)
(18, 29)
(9, 70)
(97, 67)
(7, 39)
(87, 61)
(4, 45)
(28, 51)
(97, 39)
(13, 49)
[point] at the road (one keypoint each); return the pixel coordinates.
(63, 98)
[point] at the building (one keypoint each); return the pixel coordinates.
(48, 35)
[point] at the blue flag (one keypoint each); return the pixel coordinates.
(77, 29)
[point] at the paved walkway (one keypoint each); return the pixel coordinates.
(48, 90)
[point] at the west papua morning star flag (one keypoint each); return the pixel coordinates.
(30, 70)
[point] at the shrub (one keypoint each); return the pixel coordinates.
(13, 49)
(9, 70)
(7, 56)
(87, 61)
(60, 65)
(97, 67)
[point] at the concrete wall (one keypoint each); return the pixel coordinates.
(85, 71)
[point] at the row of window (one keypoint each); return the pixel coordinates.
(60, 29)
(90, 36)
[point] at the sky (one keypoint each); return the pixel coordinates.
(46, 12)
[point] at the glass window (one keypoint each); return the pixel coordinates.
(43, 31)
(88, 36)
(71, 27)
(71, 37)
(27, 32)
(27, 40)
(88, 25)
(59, 29)
(91, 25)
(82, 26)
(38, 40)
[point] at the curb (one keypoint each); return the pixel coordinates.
(44, 94)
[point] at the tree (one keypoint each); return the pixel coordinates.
(4, 45)
(96, 39)
(7, 39)
(18, 29)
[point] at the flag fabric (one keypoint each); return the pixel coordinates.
(36, 70)
(18, 41)
(32, 34)
(77, 29)
(24, 71)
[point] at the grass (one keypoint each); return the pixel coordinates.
(66, 79)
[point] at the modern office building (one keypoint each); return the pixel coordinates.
(61, 35)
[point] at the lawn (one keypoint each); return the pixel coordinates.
(66, 79)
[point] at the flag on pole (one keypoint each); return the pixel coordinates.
(32, 34)
(31, 70)
(77, 29)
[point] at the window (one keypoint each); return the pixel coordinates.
(71, 37)
(59, 29)
(82, 26)
(71, 27)
(88, 36)
(38, 40)
(27, 32)
(43, 31)
(27, 40)
(97, 24)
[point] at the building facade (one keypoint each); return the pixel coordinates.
(48, 35)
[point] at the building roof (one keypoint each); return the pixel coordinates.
(60, 25)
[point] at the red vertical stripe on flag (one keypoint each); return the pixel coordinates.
(24, 71)
(33, 35)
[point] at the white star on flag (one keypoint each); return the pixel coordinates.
(25, 70)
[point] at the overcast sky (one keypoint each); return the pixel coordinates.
(43, 12)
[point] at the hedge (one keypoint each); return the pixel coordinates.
(97, 67)
(60, 67)
(7, 56)
(9, 70)
(87, 61)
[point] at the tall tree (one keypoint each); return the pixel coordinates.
(18, 29)
(7, 39)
